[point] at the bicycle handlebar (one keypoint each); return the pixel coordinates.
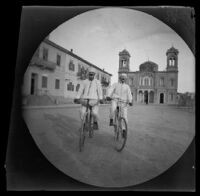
(120, 100)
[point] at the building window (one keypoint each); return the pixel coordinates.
(172, 82)
(151, 81)
(58, 59)
(44, 81)
(97, 76)
(104, 92)
(57, 84)
(146, 82)
(77, 87)
(71, 66)
(171, 96)
(79, 68)
(172, 61)
(123, 63)
(131, 81)
(70, 86)
(45, 54)
(161, 81)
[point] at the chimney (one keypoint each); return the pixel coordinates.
(72, 50)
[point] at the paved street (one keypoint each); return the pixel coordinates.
(157, 137)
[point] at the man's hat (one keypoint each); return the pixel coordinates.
(92, 70)
(123, 75)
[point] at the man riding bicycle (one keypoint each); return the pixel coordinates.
(122, 91)
(90, 89)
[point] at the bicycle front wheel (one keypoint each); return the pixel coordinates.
(91, 133)
(121, 134)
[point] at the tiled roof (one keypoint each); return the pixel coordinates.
(72, 54)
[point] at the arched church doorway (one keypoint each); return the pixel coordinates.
(151, 97)
(146, 97)
(140, 96)
(161, 98)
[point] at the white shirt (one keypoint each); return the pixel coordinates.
(122, 91)
(90, 90)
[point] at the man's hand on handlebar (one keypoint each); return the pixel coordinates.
(108, 98)
(77, 101)
(101, 101)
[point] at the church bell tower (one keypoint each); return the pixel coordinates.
(124, 61)
(172, 59)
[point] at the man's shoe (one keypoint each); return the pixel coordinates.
(111, 122)
(95, 126)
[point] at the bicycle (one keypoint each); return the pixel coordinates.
(120, 124)
(86, 125)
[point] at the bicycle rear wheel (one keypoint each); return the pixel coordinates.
(83, 130)
(120, 135)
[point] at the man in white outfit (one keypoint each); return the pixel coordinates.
(119, 90)
(90, 89)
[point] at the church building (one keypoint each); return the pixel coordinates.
(148, 85)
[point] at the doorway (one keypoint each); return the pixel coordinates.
(161, 98)
(151, 97)
(33, 83)
(146, 97)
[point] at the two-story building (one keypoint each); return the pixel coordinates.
(58, 72)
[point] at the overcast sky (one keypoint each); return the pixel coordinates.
(99, 35)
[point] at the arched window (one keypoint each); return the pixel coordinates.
(146, 81)
(151, 81)
(70, 86)
(161, 81)
(71, 66)
(172, 82)
(171, 96)
(123, 63)
(140, 81)
(77, 87)
(172, 61)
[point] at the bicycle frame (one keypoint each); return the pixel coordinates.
(88, 116)
(89, 109)
(87, 124)
(118, 111)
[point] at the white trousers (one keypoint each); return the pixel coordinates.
(95, 111)
(124, 110)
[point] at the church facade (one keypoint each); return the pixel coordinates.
(148, 85)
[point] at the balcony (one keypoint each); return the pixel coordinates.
(43, 64)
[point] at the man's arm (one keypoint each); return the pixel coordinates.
(110, 90)
(130, 97)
